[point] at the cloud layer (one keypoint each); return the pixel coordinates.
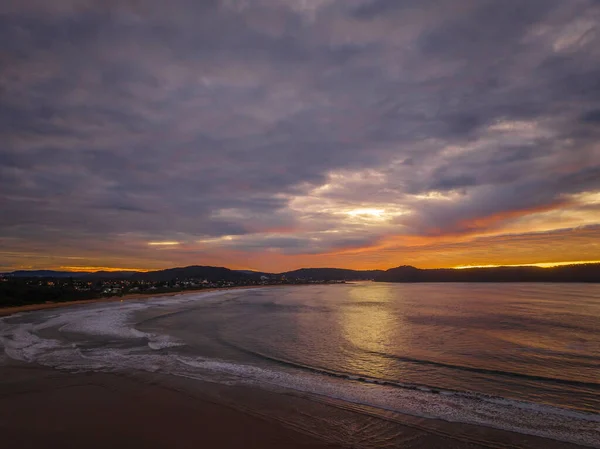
(272, 134)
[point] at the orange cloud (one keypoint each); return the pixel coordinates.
(491, 221)
(79, 269)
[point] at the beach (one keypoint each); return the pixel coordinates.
(6, 311)
(204, 370)
(44, 408)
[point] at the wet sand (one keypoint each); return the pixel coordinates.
(44, 408)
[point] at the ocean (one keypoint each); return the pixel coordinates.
(518, 357)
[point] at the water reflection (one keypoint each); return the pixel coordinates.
(368, 327)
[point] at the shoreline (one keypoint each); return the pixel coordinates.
(131, 409)
(100, 410)
(120, 406)
(7, 311)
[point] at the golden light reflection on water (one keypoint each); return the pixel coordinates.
(367, 324)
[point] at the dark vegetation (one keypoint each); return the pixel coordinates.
(208, 273)
(36, 287)
(18, 292)
(197, 272)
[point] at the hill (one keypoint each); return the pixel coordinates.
(99, 275)
(254, 274)
(566, 273)
(195, 271)
(89, 275)
(45, 274)
(332, 274)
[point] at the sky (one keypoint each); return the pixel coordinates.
(279, 134)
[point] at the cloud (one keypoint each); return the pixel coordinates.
(271, 121)
(592, 116)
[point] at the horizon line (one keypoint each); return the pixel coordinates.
(72, 269)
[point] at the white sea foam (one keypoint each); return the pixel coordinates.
(21, 340)
(24, 338)
(20, 343)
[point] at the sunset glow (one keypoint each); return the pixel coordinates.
(541, 264)
(78, 269)
(312, 203)
(363, 136)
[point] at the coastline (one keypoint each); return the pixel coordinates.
(153, 408)
(132, 409)
(6, 311)
(99, 410)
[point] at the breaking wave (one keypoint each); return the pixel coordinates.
(103, 337)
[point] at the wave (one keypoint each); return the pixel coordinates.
(527, 418)
(356, 377)
(118, 345)
(495, 372)
(19, 333)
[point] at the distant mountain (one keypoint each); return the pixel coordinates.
(565, 273)
(332, 274)
(71, 274)
(255, 274)
(195, 271)
(198, 272)
(45, 274)
(110, 275)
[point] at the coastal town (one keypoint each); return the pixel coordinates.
(16, 291)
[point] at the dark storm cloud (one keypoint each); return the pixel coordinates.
(205, 119)
(591, 116)
(369, 10)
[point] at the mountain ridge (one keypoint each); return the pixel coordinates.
(405, 273)
(209, 273)
(564, 273)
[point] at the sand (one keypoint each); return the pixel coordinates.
(43, 408)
